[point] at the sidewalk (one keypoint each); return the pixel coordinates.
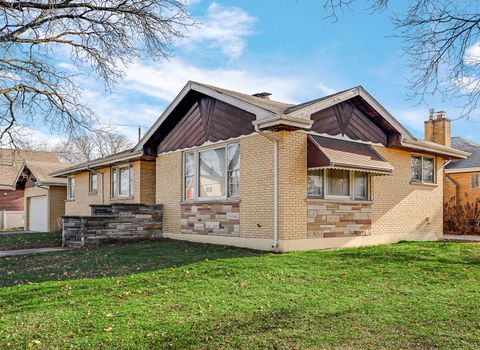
(465, 238)
(4, 253)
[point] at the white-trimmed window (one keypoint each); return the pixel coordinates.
(122, 181)
(93, 181)
(71, 187)
(213, 173)
(475, 181)
(423, 169)
(338, 184)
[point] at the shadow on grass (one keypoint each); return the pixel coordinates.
(111, 260)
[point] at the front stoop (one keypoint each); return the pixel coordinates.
(113, 223)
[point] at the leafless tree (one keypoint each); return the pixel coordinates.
(104, 35)
(442, 41)
(91, 145)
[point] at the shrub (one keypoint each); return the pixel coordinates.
(462, 219)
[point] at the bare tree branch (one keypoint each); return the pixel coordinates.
(442, 41)
(103, 34)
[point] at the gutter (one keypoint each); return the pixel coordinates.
(275, 184)
(439, 149)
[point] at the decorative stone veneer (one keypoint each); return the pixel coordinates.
(111, 223)
(216, 218)
(338, 219)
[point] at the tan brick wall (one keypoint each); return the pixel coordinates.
(401, 208)
(292, 185)
(256, 187)
(56, 203)
(169, 189)
(465, 190)
(143, 184)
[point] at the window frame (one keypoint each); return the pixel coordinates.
(115, 190)
(70, 188)
(196, 173)
(475, 181)
(90, 183)
(351, 187)
(422, 181)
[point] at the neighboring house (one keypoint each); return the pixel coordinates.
(44, 196)
(462, 179)
(11, 195)
(230, 168)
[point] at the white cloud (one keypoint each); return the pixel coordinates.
(412, 118)
(327, 90)
(472, 54)
(164, 81)
(224, 28)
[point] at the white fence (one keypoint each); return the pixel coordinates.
(11, 219)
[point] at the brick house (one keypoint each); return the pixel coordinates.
(12, 202)
(462, 177)
(244, 170)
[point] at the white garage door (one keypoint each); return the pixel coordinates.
(37, 214)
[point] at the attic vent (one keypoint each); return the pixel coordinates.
(265, 95)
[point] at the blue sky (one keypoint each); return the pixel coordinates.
(283, 47)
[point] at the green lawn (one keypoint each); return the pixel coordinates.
(30, 240)
(177, 295)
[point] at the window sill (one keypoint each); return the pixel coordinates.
(70, 200)
(426, 184)
(337, 200)
(213, 201)
(121, 198)
(93, 193)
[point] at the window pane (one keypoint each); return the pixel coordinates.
(93, 181)
(475, 181)
(212, 173)
(124, 181)
(338, 182)
(361, 185)
(71, 187)
(130, 187)
(189, 169)
(416, 168)
(114, 182)
(315, 182)
(428, 171)
(233, 151)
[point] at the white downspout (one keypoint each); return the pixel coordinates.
(275, 184)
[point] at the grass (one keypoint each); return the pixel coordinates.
(178, 295)
(30, 240)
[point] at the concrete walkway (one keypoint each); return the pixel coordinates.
(466, 238)
(13, 233)
(4, 253)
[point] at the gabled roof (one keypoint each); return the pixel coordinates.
(12, 160)
(41, 171)
(273, 112)
(472, 162)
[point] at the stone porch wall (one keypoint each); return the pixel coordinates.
(338, 219)
(111, 223)
(216, 218)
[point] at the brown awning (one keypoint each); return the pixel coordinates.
(325, 152)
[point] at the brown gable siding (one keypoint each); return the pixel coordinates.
(207, 120)
(348, 119)
(11, 200)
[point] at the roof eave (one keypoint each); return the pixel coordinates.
(94, 164)
(437, 149)
(462, 170)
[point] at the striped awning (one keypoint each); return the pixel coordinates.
(330, 153)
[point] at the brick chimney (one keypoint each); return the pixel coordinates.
(438, 128)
